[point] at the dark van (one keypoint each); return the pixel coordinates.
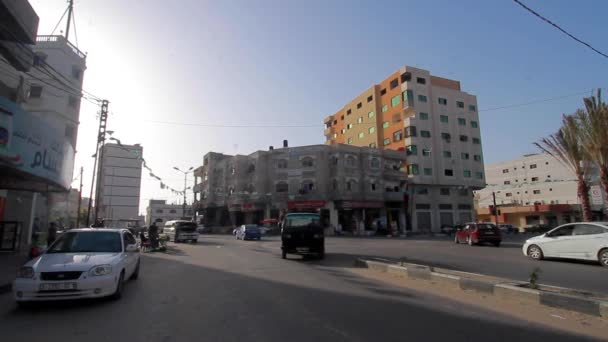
(302, 233)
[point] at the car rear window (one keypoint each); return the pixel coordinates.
(486, 227)
(186, 226)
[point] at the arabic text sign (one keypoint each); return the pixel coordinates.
(35, 144)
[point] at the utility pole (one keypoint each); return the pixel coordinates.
(185, 186)
(101, 137)
(67, 27)
(495, 208)
(79, 200)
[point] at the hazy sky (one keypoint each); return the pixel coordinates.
(294, 62)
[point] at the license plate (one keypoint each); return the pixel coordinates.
(302, 249)
(57, 286)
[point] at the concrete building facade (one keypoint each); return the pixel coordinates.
(159, 212)
(536, 188)
(360, 188)
(436, 125)
(120, 184)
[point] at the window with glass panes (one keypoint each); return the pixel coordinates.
(385, 124)
(422, 98)
(476, 157)
(396, 100)
(428, 171)
(398, 135)
(412, 169)
(384, 108)
(444, 118)
(370, 114)
(426, 152)
(411, 150)
(459, 104)
(476, 141)
(474, 124)
(462, 122)
(447, 154)
(464, 156)
(372, 130)
(466, 173)
(425, 134)
(386, 141)
(361, 135)
(423, 116)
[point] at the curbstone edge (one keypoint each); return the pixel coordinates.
(517, 293)
(572, 303)
(446, 279)
(476, 285)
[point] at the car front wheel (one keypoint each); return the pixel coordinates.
(118, 293)
(135, 274)
(535, 252)
(603, 257)
(470, 241)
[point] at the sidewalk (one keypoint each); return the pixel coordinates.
(9, 263)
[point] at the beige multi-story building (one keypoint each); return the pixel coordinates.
(436, 125)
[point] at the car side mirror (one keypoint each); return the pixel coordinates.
(132, 248)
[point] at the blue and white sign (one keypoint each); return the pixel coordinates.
(35, 144)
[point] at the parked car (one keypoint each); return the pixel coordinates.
(478, 233)
(508, 228)
(81, 263)
(579, 240)
(249, 232)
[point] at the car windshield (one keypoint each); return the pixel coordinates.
(297, 221)
(486, 226)
(87, 242)
(186, 226)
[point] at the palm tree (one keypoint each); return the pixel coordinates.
(565, 146)
(593, 121)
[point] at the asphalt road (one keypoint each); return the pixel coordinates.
(227, 290)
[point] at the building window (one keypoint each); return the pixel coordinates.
(477, 157)
(423, 206)
(351, 161)
(359, 105)
(383, 92)
(360, 120)
(426, 152)
(474, 124)
(466, 173)
(505, 170)
(444, 118)
(281, 187)
(425, 134)
(411, 150)
(282, 164)
(447, 154)
(442, 101)
(371, 114)
(398, 135)
(394, 83)
(350, 141)
(464, 138)
(428, 171)
(334, 160)
(307, 186)
(349, 126)
(39, 59)
(507, 182)
(421, 98)
(420, 80)
(35, 92)
(159, 211)
(462, 122)
(307, 162)
(370, 98)
(412, 169)
(422, 191)
(459, 104)
(445, 206)
(70, 134)
(535, 179)
(335, 135)
(372, 145)
(386, 141)
(423, 116)
(396, 100)
(408, 98)
(479, 175)
(508, 194)
(472, 108)
(384, 108)
(410, 131)
(533, 166)
(361, 135)
(406, 77)
(464, 156)
(371, 130)
(536, 192)
(172, 211)
(343, 130)
(444, 191)
(76, 73)
(476, 141)
(446, 137)
(372, 186)
(342, 117)
(463, 192)
(375, 163)
(348, 112)
(351, 185)
(448, 172)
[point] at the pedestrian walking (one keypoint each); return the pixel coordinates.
(51, 235)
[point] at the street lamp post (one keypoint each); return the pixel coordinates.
(185, 186)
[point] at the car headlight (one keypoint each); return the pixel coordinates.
(100, 270)
(25, 272)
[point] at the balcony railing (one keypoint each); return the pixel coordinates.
(61, 39)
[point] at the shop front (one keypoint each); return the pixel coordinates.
(362, 217)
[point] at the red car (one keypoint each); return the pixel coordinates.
(478, 233)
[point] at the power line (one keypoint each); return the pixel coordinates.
(534, 102)
(559, 28)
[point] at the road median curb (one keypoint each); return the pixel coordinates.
(503, 288)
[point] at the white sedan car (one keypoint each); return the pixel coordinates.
(82, 263)
(580, 240)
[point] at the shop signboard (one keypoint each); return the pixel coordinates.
(35, 144)
(305, 204)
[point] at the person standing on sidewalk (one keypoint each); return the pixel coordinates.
(51, 236)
